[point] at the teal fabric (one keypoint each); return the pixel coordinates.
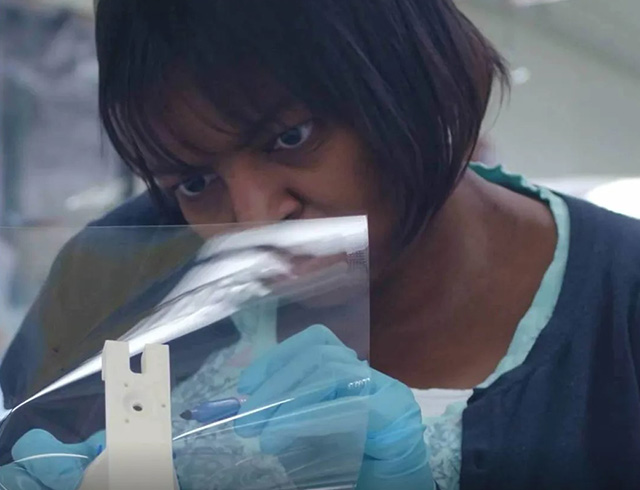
(444, 433)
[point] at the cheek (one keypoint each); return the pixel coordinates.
(379, 208)
(365, 198)
(382, 230)
(206, 210)
(346, 182)
(339, 177)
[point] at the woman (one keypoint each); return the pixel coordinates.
(511, 312)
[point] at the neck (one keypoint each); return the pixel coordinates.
(436, 268)
(439, 297)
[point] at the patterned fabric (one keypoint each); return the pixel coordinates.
(216, 458)
(444, 432)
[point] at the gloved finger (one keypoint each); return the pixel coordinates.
(396, 415)
(411, 473)
(394, 442)
(96, 442)
(291, 381)
(342, 421)
(256, 374)
(57, 465)
(329, 405)
(332, 380)
(390, 400)
(15, 477)
(394, 421)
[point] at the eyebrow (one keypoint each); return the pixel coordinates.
(185, 170)
(248, 138)
(268, 120)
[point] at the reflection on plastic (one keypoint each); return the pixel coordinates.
(301, 417)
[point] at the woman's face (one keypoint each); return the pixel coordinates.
(296, 168)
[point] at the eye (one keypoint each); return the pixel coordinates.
(294, 137)
(194, 185)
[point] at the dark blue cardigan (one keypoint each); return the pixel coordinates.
(569, 416)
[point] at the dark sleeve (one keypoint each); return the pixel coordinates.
(624, 281)
(102, 282)
(634, 329)
(99, 270)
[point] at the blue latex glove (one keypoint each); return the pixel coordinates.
(317, 376)
(41, 462)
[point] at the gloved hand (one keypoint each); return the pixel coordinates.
(309, 383)
(41, 462)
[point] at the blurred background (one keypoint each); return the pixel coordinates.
(571, 121)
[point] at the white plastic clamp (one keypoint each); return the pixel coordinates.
(138, 453)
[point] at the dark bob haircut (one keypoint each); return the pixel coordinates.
(412, 77)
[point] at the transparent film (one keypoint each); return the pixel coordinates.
(267, 330)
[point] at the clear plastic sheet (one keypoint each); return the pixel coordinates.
(268, 334)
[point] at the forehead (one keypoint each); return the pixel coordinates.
(194, 126)
(190, 125)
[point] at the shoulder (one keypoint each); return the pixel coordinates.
(130, 244)
(601, 285)
(603, 270)
(607, 239)
(141, 211)
(598, 310)
(126, 231)
(103, 267)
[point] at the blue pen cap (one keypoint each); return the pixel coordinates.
(213, 411)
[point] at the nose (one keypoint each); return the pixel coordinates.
(258, 191)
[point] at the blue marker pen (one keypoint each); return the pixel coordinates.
(214, 411)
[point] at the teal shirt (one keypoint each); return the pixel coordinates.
(444, 432)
